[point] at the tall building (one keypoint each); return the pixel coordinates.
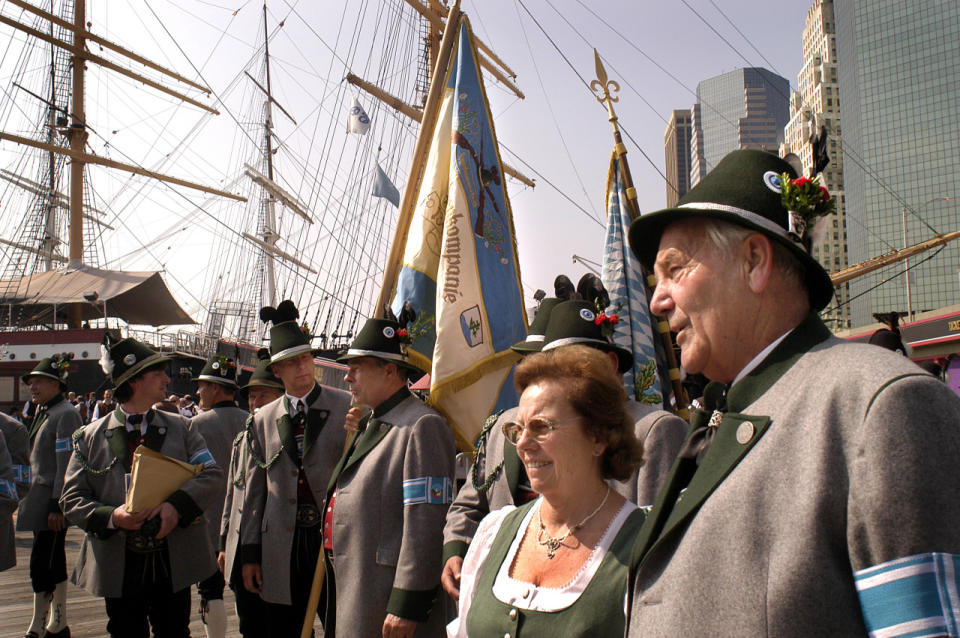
(745, 108)
(815, 110)
(897, 64)
(676, 149)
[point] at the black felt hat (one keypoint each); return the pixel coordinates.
(577, 322)
(381, 339)
(54, 367)
(127, 358)
(744, 188)
(538, 327)
(288, 339)
(219, 369)
(263, 375)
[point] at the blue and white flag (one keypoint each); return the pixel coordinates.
(383, 187)
(460, 268)
(357, 120)
(621, 276)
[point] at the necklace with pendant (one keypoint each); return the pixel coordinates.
(553, 543)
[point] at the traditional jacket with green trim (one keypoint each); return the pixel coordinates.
(393, 488)
(833, 457)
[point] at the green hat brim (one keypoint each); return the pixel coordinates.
(294, 351)
(42, 374)
(212, 379)
(624, 356)
(529, 345)
(261, 383)
(646, 231)
(398, 359)
(135, 369)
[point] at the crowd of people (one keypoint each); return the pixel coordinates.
(810, 494)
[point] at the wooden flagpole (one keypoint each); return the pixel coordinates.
(603, 86)
(428, 123)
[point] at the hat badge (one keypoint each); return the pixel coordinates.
(216, 365)
(772, 181)
(130, 359)
(587, 315)
(389, 332)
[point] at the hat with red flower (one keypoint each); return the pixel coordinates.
(580, 322)
(760, 191)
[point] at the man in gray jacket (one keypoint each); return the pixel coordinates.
(53, 423)
(814, 495)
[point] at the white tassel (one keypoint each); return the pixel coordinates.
(106, 363)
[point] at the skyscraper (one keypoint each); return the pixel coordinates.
(815, 110)
(897, 64)
(676, 149)
(745, 108)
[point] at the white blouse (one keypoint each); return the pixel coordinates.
(518, 593)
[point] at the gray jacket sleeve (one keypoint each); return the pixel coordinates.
(662, 443)
(67, 423)
(254, 496)
(466, 512)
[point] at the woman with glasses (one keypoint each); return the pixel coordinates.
(558, 565)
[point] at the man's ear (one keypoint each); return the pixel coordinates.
(757, 253)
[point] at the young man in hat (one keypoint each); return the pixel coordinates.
(262, 388)
(219, 423)
(812, 496)
(54, 422)
(142, 563)
(662, 433)
(294, 444)
(387, 498)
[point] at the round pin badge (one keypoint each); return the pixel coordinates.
(586, 314)
(130, 359)
(162, 430)
(216, 365)
(389, 332)
(772, 181)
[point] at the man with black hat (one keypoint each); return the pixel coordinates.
(219, 423)
(559, 324)
(54, 422)
(294, 444)
(812, 495)
(262, 388)
(142, 563)
(387, 498)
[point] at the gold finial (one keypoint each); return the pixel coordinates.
(602, 85)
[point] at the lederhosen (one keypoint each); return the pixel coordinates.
(307, 537)
(597, 612)
(48, 556)
(147, 588)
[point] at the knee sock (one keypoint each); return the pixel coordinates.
(58, 608)
(41, 609)
(215, 618)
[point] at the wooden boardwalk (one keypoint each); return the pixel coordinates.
(86, 615)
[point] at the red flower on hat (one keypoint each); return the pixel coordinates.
(800, 181)
(402, 334)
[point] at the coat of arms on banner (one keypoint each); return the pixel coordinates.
(471, 326)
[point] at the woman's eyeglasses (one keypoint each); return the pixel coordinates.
(539, 429)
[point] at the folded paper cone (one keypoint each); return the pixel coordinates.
(155, 477)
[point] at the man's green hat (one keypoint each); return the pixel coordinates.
(263, 375)
(578, 322)
(381, 339)
(127, 358)
(219, 369)
(745, 189)
(538, 328)
(287, 338)
(53, 367)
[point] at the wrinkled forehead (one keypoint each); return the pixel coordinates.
(686, 236)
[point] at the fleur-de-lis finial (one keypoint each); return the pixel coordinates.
(603, 86)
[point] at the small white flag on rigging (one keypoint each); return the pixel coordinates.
(383, 187)
(357, 121)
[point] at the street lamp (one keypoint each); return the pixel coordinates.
(903, 221)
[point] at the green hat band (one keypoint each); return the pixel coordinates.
(291, 352)
(749, 216)
(569, 341)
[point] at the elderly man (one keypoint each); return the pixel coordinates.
(294, 444)
(811, 497)
(386, 500)
(141, 562)
(219, 423)
(54, 422)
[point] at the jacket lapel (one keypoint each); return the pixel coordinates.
(155, 434)
(338, 470)
(376, 430)
(316, 419)
(116, 435)
(287, 437)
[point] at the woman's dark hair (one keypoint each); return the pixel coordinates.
(595, 392)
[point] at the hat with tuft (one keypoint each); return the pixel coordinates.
(744, 188)
(55, 367)
(578, 322)
(288, 339)
(381, 339)
(219, 369)
(127, 358)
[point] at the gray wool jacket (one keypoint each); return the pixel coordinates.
(833, 457)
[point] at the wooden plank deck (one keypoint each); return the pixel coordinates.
(85, 614)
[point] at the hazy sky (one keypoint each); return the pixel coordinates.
(560, 129)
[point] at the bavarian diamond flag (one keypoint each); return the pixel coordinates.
(628, 297)
(459, 267)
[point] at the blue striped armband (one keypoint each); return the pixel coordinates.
(428, 489)
(8, 490)
(202, 456)
(64, 445)
(21, 473)
(913, 597)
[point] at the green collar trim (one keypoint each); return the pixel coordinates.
(312, 397)
(801, 339)
(395, 399)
